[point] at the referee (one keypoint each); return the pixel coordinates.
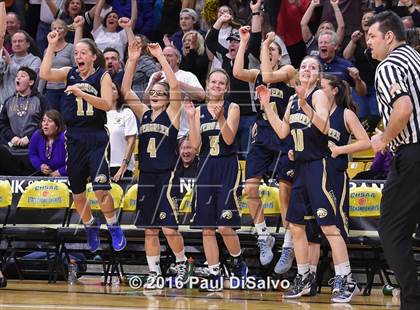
(397, 84)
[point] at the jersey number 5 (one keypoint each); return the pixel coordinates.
(298, 139)
(81, 111)
(214, 145)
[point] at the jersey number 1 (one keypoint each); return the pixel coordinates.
(81, 111)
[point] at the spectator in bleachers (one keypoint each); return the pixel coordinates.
(19, 119)
(114, 65)
(413, 38)
(403, 8)
(122, 128)
(288, 28)
(187, 168)
(351, 11)
(188, 82)
(47, 151)
(46, 17)
(70, 10)
(224, 31)
(63, 57)
(310, 39)
(105, 31)
(332, 63)
(13, 25)
(9, 65)
(187, 21)
(144, 21)
(240, 92)
(368, 110)
(194, 57)
(146, 66)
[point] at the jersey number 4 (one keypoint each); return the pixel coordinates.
(151, 148)
(80, 109)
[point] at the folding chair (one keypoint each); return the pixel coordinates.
(5, 207)
(42, 208)
(72, 237)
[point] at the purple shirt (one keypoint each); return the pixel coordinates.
(38, 156)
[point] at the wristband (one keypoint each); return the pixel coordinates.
(256, 13)
(125, 161)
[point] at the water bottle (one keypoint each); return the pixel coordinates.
(389, 290)
(190, 269)
(72, 272)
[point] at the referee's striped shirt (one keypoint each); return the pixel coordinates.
(399, 75)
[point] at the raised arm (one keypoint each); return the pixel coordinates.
(53, 7)
(284, 74)
(133, 101)
(239, 71)
(340, 21)
(193, 115)
(78, 23)
(46, 72)
(306, 31)
(2, 24)
(127, 25)
(354, 126)
(281, 128)
(175, 91)
(351, 46)
(97, 19)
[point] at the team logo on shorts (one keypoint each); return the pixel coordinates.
(162, 215)
(290, 173)
(227, 215)
(101, 178)
(321, 213)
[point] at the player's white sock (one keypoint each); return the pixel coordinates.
(154, 263)
(303, 269)
(90, 222)
(180, 257)
(112, 220)
(215, 269)
(288, 240)
(262, 229)
(312, 268)
(343, 269)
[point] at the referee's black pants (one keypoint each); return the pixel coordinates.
(400, 210)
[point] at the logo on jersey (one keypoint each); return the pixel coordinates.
(394, 90)
(290, 173)
(321, 213)
(101, 178)
(227, 215)
(86, 87)
(162, 215)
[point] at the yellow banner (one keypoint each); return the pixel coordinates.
(269, 198)
(5, 194)
(45, 194)
(365, 201)
(116, 193)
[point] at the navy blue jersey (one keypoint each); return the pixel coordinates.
(279, 98)
(310, 143)
(157, 143)
(339, 135)
(76, 111)
(212, 143)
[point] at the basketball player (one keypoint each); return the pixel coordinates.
(213, 128)
(158, 146)
(307, 120)
(89, 96)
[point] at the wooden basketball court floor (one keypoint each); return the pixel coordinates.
(89, 294)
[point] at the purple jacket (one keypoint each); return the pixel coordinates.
(382, 162)
(38, 157)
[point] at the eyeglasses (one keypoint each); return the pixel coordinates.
(153, 92)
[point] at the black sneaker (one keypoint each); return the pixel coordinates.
(314, 286)
(301, 286)
(344, 289)
(181, 274)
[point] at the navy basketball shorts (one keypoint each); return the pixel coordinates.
(316, 192)
(217, 193)
(87, 158)
(267, 156)
(157, 196)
